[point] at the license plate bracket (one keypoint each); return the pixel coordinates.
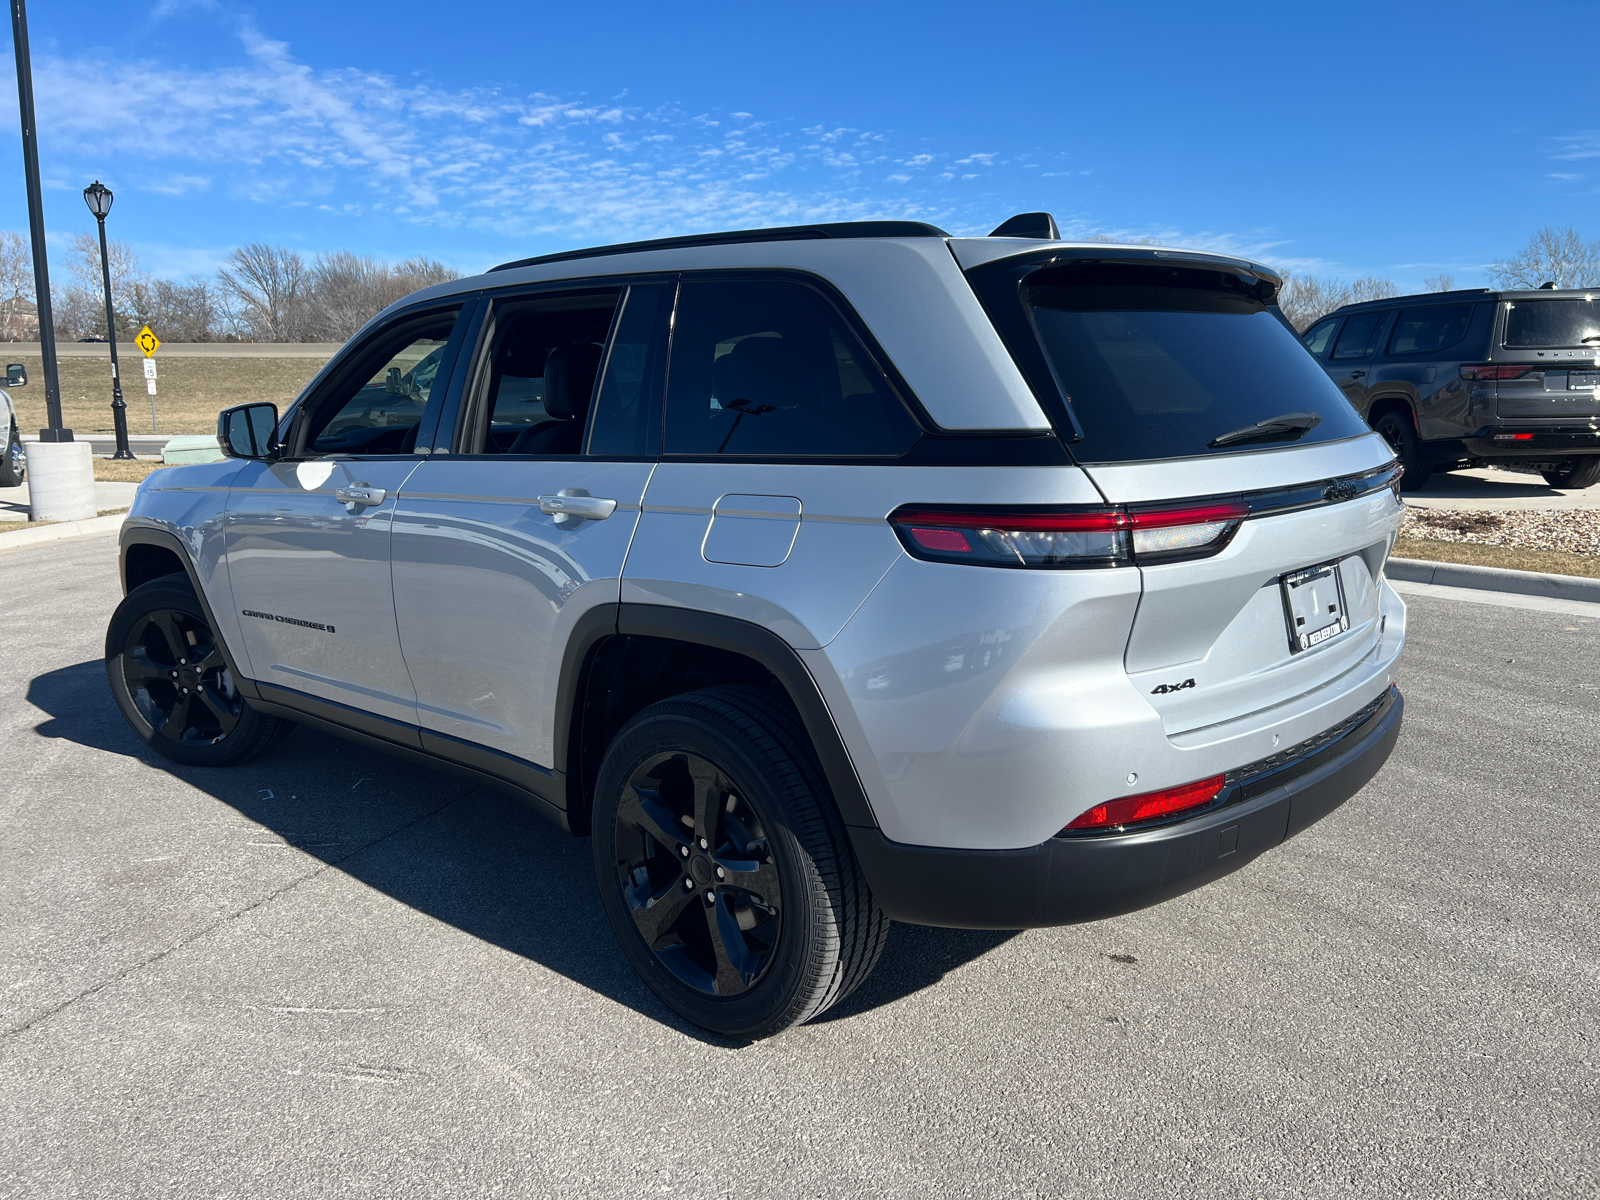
(1582, 381)
(1314, 607)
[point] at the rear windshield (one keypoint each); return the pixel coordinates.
(1159, 362)
(1542, 323)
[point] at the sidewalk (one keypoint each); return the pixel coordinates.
(14, 501)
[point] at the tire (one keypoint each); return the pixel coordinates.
(1398, 431)
(13, 462)
(1579, 473)
(789, 927)
(169, 678)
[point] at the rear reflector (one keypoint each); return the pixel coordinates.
(1132, 810)
(1084, 537)
(1482, 372)
(1513, 437)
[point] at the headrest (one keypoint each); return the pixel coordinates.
(764, 370)
(569, 380)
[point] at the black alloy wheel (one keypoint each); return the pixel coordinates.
(173, 683)
(694, 867)
(724, 868)
(1397, 430)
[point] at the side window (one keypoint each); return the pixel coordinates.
(1431, 329)
(1317, 337)
(535, 381)
(1357, 338)
(769, 367)
(376, 403)
(627, 418)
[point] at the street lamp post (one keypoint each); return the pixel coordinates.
(98, 197)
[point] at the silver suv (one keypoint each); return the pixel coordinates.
(825, 576)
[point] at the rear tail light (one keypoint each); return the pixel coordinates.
(1135, 810)
(1483, 372)
(1084, 537)
(1513, 437)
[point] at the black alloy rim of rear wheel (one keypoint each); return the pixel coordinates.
(1391, 434)
(697, 874)
(178, 679)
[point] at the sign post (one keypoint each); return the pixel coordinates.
(148, 342)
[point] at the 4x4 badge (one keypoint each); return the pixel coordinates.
(1163, 688)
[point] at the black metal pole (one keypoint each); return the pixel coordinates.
(119, 407)
(41, 271)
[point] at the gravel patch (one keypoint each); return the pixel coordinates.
(1575, 531)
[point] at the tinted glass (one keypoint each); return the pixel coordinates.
(379, 412)
(770, 368)
(1158, 362)
(627, 419)
(1542, 323)
(1431, 329)
(525, 336)
(1359, 336)
(1316, 339)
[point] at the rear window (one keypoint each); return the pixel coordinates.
(1546, 323)
(1158, 361)
(1430, 329)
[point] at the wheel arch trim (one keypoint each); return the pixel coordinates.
(753, 641)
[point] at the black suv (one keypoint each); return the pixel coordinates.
(1464, 379)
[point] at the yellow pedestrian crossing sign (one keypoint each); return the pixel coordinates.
(147, 341)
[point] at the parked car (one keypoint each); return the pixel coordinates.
(1474, 378)
(823, 576)
(13, 459)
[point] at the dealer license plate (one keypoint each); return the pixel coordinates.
(1313, 605)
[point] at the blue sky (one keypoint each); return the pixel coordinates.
(1393, 139)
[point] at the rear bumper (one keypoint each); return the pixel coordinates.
(1545, 441)
(1064, 881)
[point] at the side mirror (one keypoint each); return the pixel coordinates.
(16, 375)
(247, 431)
(392, 382)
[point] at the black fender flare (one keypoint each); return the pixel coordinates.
(724, 633)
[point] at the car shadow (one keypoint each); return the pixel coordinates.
(467, 856)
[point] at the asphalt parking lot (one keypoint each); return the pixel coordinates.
(330, 973)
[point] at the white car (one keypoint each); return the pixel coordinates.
(826, 576)
(14, 459)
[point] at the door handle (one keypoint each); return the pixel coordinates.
(572, 505)
(1357, 374)
(358, 495)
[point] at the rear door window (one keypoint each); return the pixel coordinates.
(770, 367)
(1430, 329)
(1316, 338)
(1543, 324)
(1359, 337)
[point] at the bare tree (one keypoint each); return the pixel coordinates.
(1552, 255)
(1442, 282)
(265, 289)
(16, 285)
(1305, 300)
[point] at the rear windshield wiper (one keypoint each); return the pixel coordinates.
(1294, 423)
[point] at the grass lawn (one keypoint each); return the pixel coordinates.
(1514, 558)
(191, 391)
(108, 470)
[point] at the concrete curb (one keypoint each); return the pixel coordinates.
(22, 538)
(1495, 579)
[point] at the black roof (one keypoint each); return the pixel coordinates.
(785, 233)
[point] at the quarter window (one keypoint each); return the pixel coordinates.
(1427, 330)
(1316, 338)
(1359, 337)
(770, 368)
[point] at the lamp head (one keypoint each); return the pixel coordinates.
(98, 197)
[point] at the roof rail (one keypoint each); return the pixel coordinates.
(784, 233)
